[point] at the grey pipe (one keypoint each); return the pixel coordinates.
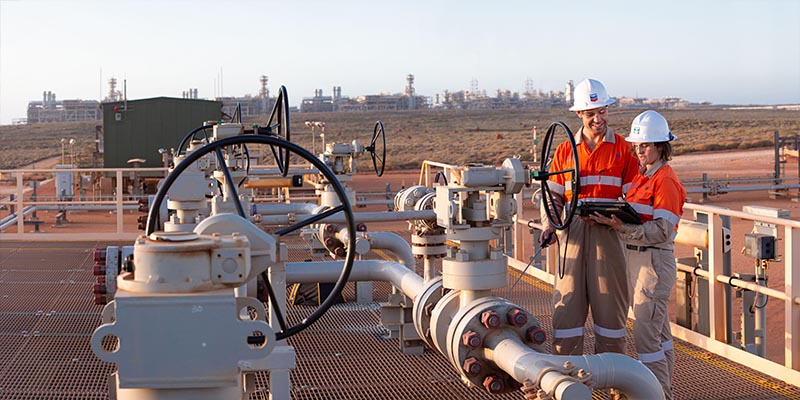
(363, 271)
(619, 371)
(394, 243)
(285, 208)
(359, 217)
(11, 219)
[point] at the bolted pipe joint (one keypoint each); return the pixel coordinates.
(490, 319)
(493, 384)
(472, 339)
(517, 317)
(536, 335)
(473, 366)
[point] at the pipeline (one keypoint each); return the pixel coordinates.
(506, 350)
(359, 217)
(629, 376)
(365, 270)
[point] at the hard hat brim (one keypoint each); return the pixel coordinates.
(592, 106)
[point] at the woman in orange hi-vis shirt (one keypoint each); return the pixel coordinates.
(658, 196)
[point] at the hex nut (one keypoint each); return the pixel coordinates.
(473, 366)
(471, 339)
(490, 319)
(517, 317)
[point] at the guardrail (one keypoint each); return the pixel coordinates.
(119, 201)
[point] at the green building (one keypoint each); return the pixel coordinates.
(138, 128)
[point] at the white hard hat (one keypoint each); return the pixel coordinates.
(650, 127)
(589, 94)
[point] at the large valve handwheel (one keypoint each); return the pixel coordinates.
(278, 126)
(282, 145)
(377, 148)
(544, 174)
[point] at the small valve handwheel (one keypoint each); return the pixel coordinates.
(544, 174)
(377, 148)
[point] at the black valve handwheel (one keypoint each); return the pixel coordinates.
(544, 174)
(278, 126)
(282, 145)
(377, 148)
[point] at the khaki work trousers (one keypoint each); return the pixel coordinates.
(651, 276)
(594, 278)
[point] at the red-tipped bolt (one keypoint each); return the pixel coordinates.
(330, 228)
(471, 339)
(339, 251)
(490, 319)
(536, 335)
(99, 269)
(100, 299)
(100, 279)
(99, 288)
(100, 255)
(493, 384)
(362, 227)
(472, 366)
(329, 242)
(517, 317)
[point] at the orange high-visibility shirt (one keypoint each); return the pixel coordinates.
(606, 172)
(659, 196)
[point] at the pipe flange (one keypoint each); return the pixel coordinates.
(441, 319)
(424, 304)
(480, 318)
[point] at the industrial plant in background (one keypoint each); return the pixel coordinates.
(50, 110)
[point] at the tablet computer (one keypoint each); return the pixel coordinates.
(621, 209)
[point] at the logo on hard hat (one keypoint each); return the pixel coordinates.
(636, 130)
(593, 97)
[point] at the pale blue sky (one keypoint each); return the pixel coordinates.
(735, 51)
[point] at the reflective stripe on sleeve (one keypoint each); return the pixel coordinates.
(567, 333)
(642, 209)
(609, 333)
(667, 215)
(601, 180)
(557, 188)
(625, 187)
(652, 357)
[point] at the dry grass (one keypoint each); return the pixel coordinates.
(449, 136)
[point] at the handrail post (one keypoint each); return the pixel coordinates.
(20, 211)
(792, 289)
(716, 292)
(119, 201)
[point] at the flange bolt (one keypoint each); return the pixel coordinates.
(493, 384)
(490, 319)
(472, 366)
(517, 317)
(471, 339)
(536, 335)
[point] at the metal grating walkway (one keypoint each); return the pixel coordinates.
(47, 316)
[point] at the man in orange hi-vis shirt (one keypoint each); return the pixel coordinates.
(658, 196)
(592, 271)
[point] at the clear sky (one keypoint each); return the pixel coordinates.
(722, 51)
